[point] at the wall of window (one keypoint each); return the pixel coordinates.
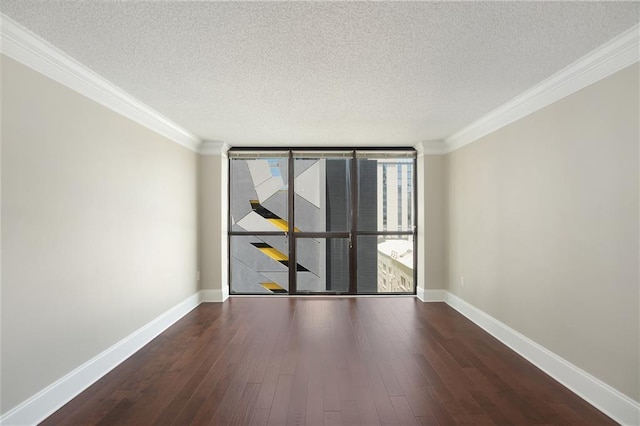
(322, 221)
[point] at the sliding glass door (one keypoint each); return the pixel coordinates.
(322, 222)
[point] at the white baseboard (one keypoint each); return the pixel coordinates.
(611, 402)
(602, 396)
(214, 295)
(47, 401)
(225, 293)
(420, 294)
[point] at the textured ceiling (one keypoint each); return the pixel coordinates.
(324, 73)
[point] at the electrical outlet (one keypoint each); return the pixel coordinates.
(461, 280)
(198, 276)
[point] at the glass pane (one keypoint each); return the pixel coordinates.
(322, 194)
(385, 264)
(259, 264)
(259, 194)
(386, 194)
(323, 264)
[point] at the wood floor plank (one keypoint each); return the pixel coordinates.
(242, 411)
(203, 401)
(351, 415)
(280, 406)
(260, 417)
(297, 411)
(239, 396)
(326, 361)
(439, 409)
(314, 409)
(427, 421)
(268, 386)
(330, 387)
(333, 418)
(381, 398)
(413, 393)
(367, 407)
(403, 411)
(389, 378)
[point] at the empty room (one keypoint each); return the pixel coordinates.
(320, 213)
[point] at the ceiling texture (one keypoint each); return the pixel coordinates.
(324, 73)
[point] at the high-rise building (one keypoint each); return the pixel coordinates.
(338, 204)
(395, 194)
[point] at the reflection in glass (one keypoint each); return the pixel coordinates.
(322, 205)
(258, 200)
(322, 194)
(327, 264)
(259, 264)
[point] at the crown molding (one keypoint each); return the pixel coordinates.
(213, 148)
(22, 45)
(433, 147)
(29, 49)
(613, 56)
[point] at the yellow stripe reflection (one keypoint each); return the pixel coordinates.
(272, 286)
(282, 224)
(273, 253)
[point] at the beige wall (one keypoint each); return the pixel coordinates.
(434, 221)
(213, 218)
(99, 229)
(543, 225)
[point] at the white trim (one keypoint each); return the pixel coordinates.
(421, 276)
(214, 295)
(225, 293)
(608, 400)
(616, 405)
(225, 213)
(435, 147)
(213, 148)
(613, 56)
(36, 53)
(54, 396)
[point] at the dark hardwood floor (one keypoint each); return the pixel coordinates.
(326, 361)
